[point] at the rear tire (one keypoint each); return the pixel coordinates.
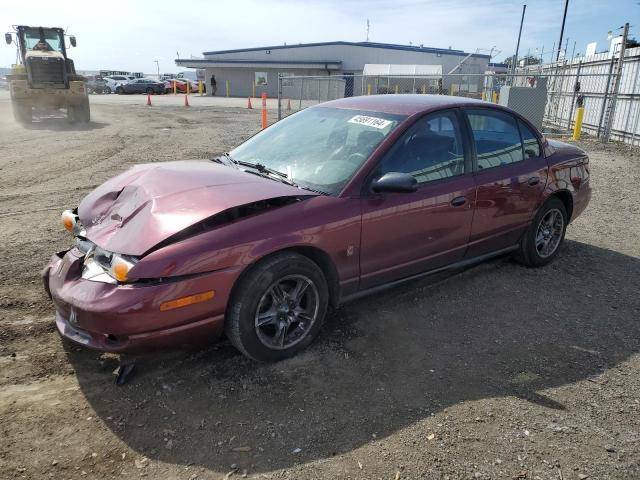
(22, 112)
(278, 307)
(542, 240)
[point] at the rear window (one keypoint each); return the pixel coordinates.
(496, 137)
(529, 141)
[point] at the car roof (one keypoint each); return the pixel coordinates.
(403, 104)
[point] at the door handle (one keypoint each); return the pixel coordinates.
(456, 202)
(533, 181)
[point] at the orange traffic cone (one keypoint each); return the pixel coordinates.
(249, 103)
(186, 100)
(289, 105)
(148, 99)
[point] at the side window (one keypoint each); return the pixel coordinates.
(529, 140)
(430, 150)
(496, 137)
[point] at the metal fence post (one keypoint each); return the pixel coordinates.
(610, 116)
(279, 96)
(301, 92)
(606, 96)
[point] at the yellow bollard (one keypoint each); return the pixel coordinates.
(494, 97)
(577, 130)
(227, 85)
(483, 96)
(175, 87)
(397, 89)
(368, 89)
(200, 87)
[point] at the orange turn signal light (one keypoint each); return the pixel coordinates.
(121, 271)
(184, 301)
(68, 220)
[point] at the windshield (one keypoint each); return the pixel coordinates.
(52, 39)
(319, 148)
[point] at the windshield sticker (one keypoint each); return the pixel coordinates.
(374, 122)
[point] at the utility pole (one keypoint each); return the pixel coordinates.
(515, 57)
(368, 25)
(158, 66)
(564, 18)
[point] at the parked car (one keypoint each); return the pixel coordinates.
(96, 84)
(181, 87)
(115, 80)
(331, 203)
(141, 85)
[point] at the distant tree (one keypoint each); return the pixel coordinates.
(632, 43)
(528, 60)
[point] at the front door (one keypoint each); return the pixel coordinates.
(511, 174)
(408, 233)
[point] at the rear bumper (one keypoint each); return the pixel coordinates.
(127, 318)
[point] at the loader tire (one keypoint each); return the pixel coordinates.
(80, 112)
(22, 112)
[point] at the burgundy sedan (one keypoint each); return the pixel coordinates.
(330, 203)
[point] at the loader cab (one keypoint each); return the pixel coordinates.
(41, 39)
(44, 56)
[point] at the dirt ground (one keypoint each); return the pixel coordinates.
(496, 372)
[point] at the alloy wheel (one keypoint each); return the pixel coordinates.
(287, 311)
(549, 233)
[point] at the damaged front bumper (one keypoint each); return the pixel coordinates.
(126, 318)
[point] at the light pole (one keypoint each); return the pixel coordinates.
(158, 67)
(515, 57)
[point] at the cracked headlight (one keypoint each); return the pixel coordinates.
(103, 266)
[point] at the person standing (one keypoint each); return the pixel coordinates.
(214, 85)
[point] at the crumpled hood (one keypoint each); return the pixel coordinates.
(148, 203)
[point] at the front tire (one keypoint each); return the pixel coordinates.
(119, 90)
(79, 112)
(278, 307)
(542, 240)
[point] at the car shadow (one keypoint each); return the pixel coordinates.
(61, 124)
(383, 363)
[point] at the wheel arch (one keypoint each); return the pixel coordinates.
(318, 256)
(566, 198)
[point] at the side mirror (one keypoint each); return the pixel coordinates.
(72, 40)
(8, 38)
(395, 182)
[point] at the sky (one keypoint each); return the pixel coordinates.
(131, 35)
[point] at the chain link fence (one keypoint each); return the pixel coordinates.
(555, 91)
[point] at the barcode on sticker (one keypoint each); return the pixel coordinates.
(374, 122)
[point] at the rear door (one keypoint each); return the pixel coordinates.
(510, 172)
(407, 233)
